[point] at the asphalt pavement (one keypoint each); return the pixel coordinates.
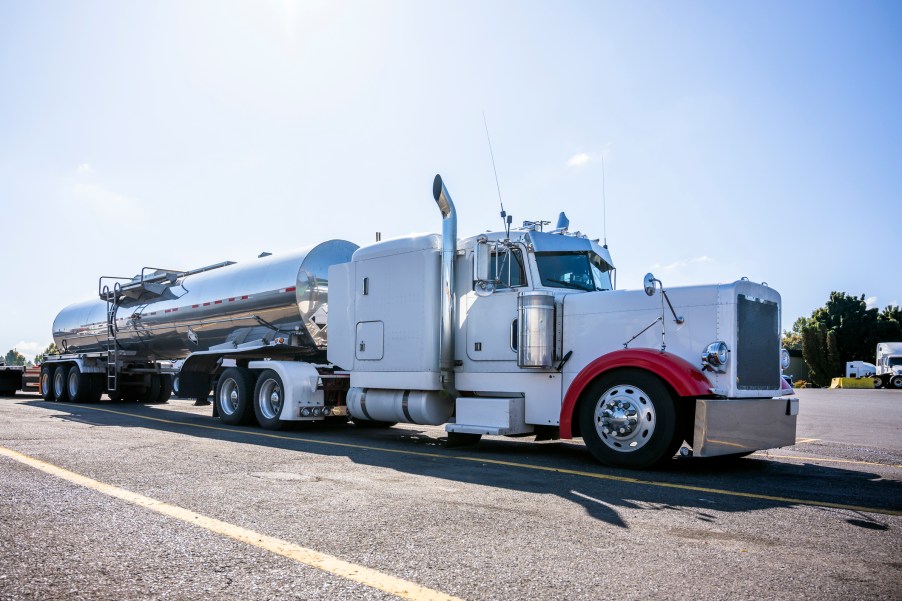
(128, 501)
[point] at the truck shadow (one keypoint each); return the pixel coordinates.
(697, 487)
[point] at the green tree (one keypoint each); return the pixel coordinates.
(842, 330)
(14, 357)
(820, 352)
(50, 350)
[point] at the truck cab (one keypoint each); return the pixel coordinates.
(542, 342)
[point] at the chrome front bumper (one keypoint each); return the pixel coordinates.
(728, 426)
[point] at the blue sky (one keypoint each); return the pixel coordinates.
(740, 139)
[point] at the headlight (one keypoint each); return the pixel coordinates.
(715, 357)
(784, 359)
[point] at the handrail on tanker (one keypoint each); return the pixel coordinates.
(167, 274)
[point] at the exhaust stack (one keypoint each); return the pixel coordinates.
(449, 250)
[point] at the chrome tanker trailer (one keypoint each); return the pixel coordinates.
(513, 333)
(123, 342)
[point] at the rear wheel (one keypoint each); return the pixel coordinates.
(60, 388)
(151, 393)
(47, 382)
(628, 418)
(269, 399)
(81, 386)
(234, 396)
(878, 382)
(165, 388)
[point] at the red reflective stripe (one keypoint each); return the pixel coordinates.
(219, 302)
(244, 297)
(685, 379)
(167, 311)
(231, 300)
(195, 306)
(292, 289)
(206, 304)
(176, 309)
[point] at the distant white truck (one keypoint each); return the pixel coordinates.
(889, 364)
(860, 369)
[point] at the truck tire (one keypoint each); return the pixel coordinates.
(46, 382)
(151, 393)
(269, 398)
(628, 419)
(234, 396)
(80, 386)
(60, 388)
(896, 382)
(165, 388)
(878, 381)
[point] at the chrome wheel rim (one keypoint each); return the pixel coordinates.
(270, 399)
(59, 383)
(45, 383)
(625, 418)
(73, 384)
(228, 397)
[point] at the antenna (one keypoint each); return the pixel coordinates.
(504, 217)
(604, 203)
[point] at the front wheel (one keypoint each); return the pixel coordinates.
(896, 382)
(628, 419)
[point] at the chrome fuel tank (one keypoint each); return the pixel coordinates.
(284, 294)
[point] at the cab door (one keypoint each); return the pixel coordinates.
(491, 320)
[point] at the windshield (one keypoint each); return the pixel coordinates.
(894, 361)
(579, 271)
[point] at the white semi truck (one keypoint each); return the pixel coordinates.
(889, 364)
(513, 333)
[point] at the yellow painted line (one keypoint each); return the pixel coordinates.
(803, 440)
(824, 460)
(558, 470)
(327, 563)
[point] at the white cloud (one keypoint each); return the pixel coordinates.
(676, 265)
(30, 349)
(84, 168)
(870, 302)
(579, 159)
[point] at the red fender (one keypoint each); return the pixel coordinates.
(683, 377)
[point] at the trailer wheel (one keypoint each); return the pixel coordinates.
(165, 388)
(233, 398)
(896, 382)
(269, 398)
(47, 382)
(152, 392)
(79, 386)
(628, 418)
(878, 381)
(60, 388)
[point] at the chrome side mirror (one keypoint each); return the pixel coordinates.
(481, 258)
(649, 284)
